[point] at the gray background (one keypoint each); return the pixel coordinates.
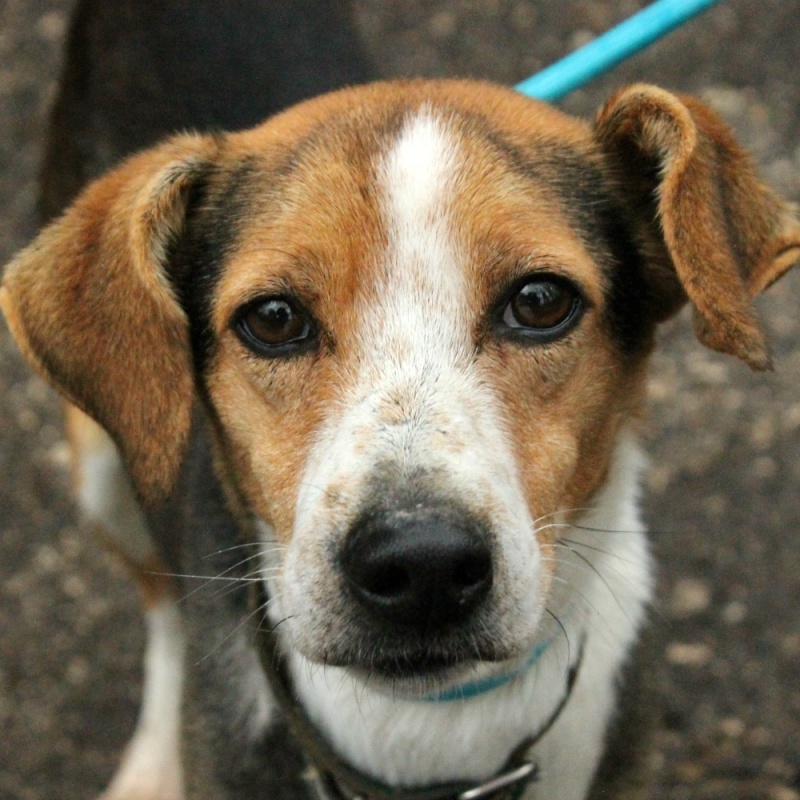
(721, 497)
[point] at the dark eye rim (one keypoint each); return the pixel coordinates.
(539, 335)
(298, 346)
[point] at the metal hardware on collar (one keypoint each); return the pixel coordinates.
(330, 778)
(519, 777)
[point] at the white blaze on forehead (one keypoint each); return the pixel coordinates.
(422, 293)
(418, 170)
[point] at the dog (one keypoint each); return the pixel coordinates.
(376, 367)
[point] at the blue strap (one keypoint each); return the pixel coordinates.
(608, 50)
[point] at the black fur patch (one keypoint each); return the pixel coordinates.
(215, 208)
(225, 755)
(589, 200)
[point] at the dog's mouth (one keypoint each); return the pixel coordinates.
(412, 666)
(410, 594)
(418, 667)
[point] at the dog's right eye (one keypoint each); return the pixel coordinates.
(274, 326)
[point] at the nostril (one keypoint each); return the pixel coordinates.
(472, 571)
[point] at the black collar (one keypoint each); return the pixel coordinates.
(331, 778)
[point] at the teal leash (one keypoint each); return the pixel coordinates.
(614, 46)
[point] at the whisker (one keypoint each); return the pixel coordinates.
(595, 616)
(206, 580)
(209, 578)
(251, 577)
(591, 529)
(275, 627)
(563, 631)
(224, 572)
(609, 553)
(576, 510)
(275, 545)
(241, 563)
(611, 565)
(259, 609)
(600, 576)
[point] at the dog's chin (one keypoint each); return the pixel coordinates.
(418, 672)
(413, 679)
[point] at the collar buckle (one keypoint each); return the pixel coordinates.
(513, 781)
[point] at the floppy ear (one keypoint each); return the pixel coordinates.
(90, 305)
(713, 232)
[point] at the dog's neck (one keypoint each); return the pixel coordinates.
(603, 585)
(411, 742)
(331, 778)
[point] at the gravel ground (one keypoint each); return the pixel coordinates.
(722, 494)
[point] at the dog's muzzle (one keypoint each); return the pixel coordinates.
(416, 581)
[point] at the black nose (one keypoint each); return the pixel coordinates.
(423, 567)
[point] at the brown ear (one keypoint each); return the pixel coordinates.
(705, 217)
(91, 307)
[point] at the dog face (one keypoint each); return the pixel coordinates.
(419, 315)
(413, 365)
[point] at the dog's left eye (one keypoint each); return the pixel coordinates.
(273, 325)
(544, 308)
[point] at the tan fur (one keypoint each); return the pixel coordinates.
(90, 308)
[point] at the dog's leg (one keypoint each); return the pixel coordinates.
(150, 768)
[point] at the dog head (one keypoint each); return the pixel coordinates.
(419, 316)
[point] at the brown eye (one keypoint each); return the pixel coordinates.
(544, 308)
(273, 326)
